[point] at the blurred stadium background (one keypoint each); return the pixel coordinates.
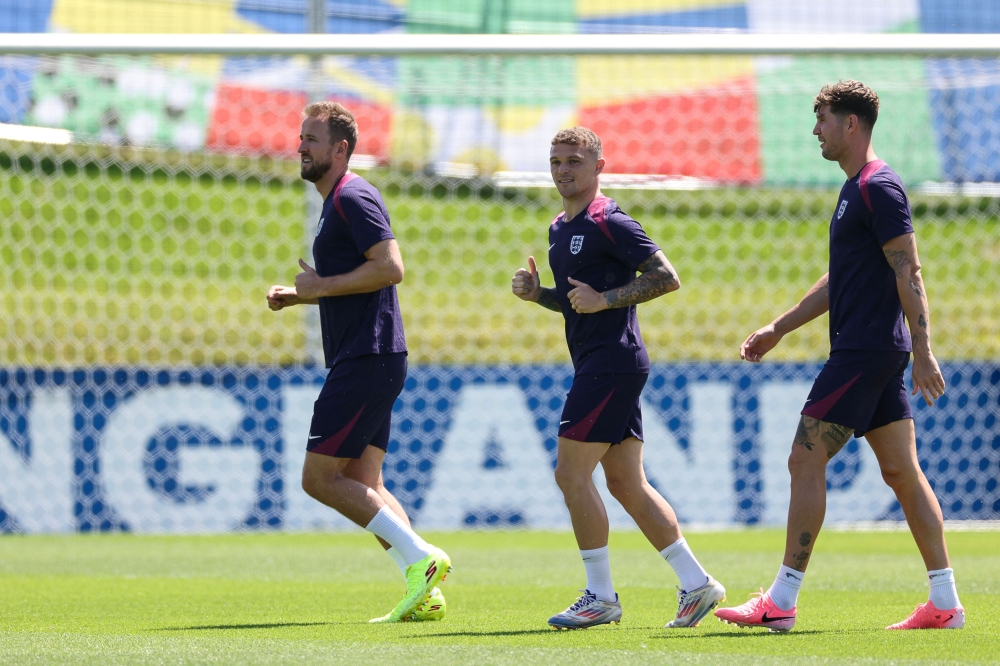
(148, 202)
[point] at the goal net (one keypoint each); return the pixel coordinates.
(149, 201)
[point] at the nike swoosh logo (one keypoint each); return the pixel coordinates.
(765, 618)
(315, 436)
(552, 246)
(788, 575)
(561, 422)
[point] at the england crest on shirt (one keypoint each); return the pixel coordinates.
(843, 207)
(576, 244)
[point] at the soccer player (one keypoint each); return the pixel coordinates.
(358, 265)
(595, 250)
(874, 281)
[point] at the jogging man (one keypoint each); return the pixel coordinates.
(873, 282)
(358, 265)
(595, 250)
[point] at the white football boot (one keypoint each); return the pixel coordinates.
(694, 605)
(588, 611)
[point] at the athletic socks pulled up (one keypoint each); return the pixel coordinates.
(598, 566)
(943, 594)
(784, 592)
(679, 556)
(399, 535)
(398, 559)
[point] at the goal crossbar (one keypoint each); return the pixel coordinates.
(395, 44)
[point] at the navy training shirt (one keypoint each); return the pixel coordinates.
(865, 311)
(601, 247)
(354, 219)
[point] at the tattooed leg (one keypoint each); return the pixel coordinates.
(814, 444)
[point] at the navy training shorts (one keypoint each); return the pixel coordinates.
(863, 390)
(603, 408)
(354, 409)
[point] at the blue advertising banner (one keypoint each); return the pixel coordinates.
(218, 449)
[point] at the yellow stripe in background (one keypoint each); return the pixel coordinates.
(590, 8)
(615, 79)
(150, 16)
(155, 16)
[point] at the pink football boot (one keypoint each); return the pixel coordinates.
(929, 616)
(758, 612)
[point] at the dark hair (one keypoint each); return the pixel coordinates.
(339, 121)
(847, 97)
(580, 136)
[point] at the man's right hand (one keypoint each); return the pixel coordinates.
(279, 297)
(927, 377)
(525, 283)
(759, 343)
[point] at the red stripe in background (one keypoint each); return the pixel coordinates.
(254, 120)
(711, 133)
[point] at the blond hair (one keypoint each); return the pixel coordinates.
(580, 136)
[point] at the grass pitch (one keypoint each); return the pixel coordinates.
(272, 598)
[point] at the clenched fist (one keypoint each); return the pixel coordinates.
(585, 299)
(279, 297)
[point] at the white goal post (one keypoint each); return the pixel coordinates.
(394, 44)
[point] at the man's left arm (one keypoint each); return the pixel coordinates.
(657, 277)
(383, 267)
(901, 253)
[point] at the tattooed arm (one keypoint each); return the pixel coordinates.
(657, 278)
(548, 300)
(901, 253)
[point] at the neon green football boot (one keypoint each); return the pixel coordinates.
(433, 609)
(421, 579)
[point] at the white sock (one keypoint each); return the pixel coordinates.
(943, 593)
(398, 559)
(679, 556)
(785, 590)
(398, 534)
(598, 566)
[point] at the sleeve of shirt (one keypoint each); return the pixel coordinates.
(366, 218)
(890, 209)
(631, 244)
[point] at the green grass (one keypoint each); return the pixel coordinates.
(133, 258)
(271, 598)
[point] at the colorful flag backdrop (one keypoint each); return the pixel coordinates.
(733, 120)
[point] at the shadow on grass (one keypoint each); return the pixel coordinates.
(451, 634)
(741, 634)
(266, 625)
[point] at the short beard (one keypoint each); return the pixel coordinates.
(315, 171)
